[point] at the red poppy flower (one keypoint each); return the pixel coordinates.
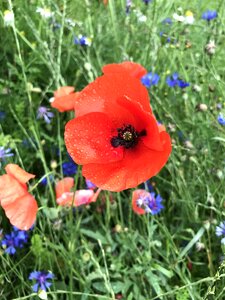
(19, 205)
(115, 136)
(127, 68)
(65, 197)
(64, 98)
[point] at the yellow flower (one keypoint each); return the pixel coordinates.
(189, 13)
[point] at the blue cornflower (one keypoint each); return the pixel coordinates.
(209, 15)
(220, 231)
(5, 152)
(89, 184)
(182, 84)
(151, 204)
(69, 168)
(41, 280)
(2, 115)
(45, 180)
(44, 113)
(167, 21)
(82, 40)
(174, 80)
(16, 239)
(147, 1)
(221, 119)
(150, 79)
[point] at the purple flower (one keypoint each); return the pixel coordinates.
(41, 280)
(209, 15)
(147, 1)
(220, 231)
(220, 119)
(151, 204)
(44, 113)
(89, 184)
(167, 21)
(150, 79)
(128, 5)
(174, 80)
(5, 153)
(82, 40)
(16, 239)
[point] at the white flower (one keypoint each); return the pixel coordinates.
(187, 19)
(210, 47)
(42, 295)
(8, 18)
(178, 17)
(142, 18)
(70, 22)
(45, 12)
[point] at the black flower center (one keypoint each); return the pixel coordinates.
(127, 137)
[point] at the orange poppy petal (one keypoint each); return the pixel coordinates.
(64, 103)
(138, 165)
(135, 196)
(64, 186)
(102, 94)
(88, 139)
(22, 212)
(21, 175)
(63, 91)
(131, 68)
(10, 189)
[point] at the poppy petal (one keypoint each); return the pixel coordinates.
(88, 139)
(63, 91)
(64, 186)
(80, 197)
(127, 67)
(65, 103)
(10, 189)
(135, 196)
(21, 175)
(83, 197)
(144, 121)
(66, 199)
(22, 212)
(102, 94)
(138, 165)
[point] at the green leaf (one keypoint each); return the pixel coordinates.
(192, 242)
(95, 235)
(162, 270)
(51, 213)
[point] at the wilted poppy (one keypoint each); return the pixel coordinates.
(65, 197)
(127, 68)
(115, 136)
(19, 205)
(63, 99)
